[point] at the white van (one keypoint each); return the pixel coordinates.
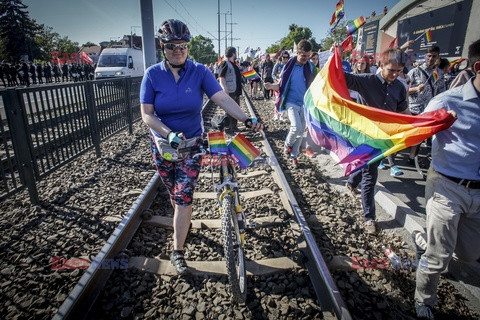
(117, 62)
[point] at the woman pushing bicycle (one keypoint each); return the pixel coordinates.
(171, 97)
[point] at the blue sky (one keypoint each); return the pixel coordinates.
(257, 23)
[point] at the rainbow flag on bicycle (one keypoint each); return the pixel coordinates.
(217, 142)
(243, 150)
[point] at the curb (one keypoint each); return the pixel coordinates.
(403, 214)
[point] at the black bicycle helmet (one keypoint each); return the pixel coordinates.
(174, 30)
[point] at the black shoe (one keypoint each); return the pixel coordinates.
(178, 261)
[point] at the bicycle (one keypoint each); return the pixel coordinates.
(232, 216)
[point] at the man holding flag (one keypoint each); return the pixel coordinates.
(382, 91)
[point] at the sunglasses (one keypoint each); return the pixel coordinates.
(173, 46)
(284, 57)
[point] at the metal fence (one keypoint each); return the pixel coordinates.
(46, 127)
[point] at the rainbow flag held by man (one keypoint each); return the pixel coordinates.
(428, 36)
(250, 75)
(243, 150)
(337, 16)
(358, 134)
(354, 25)
(217, 143)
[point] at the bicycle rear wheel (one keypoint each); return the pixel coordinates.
(233, 251)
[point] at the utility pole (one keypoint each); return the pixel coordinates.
(218, 14)
(226, 31)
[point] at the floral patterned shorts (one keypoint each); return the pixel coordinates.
(180, 178)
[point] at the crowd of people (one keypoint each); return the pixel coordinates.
(28, 73)
(453, 181)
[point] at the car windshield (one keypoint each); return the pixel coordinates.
(111, 60)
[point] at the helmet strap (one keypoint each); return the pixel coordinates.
(178, 66)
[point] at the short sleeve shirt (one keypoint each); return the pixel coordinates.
(179, 104)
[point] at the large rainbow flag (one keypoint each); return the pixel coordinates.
(250, 75)
(358, 134)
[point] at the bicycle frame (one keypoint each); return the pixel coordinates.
(228, 185)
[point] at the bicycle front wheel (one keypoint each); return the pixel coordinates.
(233, 251)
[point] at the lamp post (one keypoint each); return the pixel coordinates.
(131, 34)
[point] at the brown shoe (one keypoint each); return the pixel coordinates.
(370, 227)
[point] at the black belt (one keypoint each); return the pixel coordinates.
(471, 184)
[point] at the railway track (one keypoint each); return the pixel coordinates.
(287, 276)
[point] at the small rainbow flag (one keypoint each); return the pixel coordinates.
(243, 150)
(353, 26)
(217, 142)
(250, 75)
(435, 75)
(338, 14)
(428, 35)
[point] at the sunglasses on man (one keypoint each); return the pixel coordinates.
(173, 46)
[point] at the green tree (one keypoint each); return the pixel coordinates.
(89, 44)
(17, 31)
(294, 36)
(338, 35)
(46, 41)
(65, 45)
(201, 49)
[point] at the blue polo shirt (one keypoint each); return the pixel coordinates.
(179, 104)
(378, 93)
(297, 87)
(456, 150)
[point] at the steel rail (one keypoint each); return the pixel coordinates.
(327, 291)
(82, 297)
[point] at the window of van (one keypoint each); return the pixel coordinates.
(111, 60)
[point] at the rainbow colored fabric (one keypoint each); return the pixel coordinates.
(337, 15)
(358, 134)
(243, 150)
(353, 26)
(217, 143)
(435, 75)
(428, 36)
(250, 75)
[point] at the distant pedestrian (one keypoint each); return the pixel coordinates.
(65, 72)
(33, 73)
(56, 73)
(267, 70)
(230, 80)
(47, 70)
(40, 73)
